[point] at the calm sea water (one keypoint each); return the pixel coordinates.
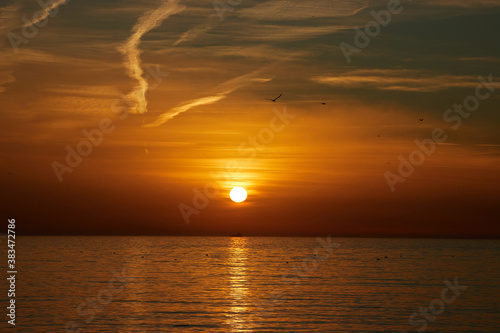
(217, 284)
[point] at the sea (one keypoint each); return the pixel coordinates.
(253, 284)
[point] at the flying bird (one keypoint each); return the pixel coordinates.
(421, 119)
(274, 100)
(323, 103)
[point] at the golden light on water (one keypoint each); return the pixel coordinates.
(238, 292)
(238, 194)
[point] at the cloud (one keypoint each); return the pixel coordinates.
(9, 16)
(265, 52)
(130, 49)
(32, 56)
(463, 3)
(480, 59)
(402, 80)
(193, 33)
(282, 33)
(259, 52)
(220, 92)
(5, 77)
(45, 12)
(185, 107)
(8, 21)
(93, 91)
(298, 9)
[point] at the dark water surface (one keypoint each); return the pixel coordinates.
(217, 284)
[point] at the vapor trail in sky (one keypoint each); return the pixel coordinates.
(131, 51)
(49, 9)
(220, 92)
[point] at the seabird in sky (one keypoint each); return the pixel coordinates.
(274, 100)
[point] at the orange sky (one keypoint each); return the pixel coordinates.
(322, 170)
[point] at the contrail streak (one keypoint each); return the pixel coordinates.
(130, 50)
(224, 88)
(46, 12)
(196, 31)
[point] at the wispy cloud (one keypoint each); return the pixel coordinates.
(402, 80)
(93, 91)
(193, 33)
(130, 49)
(45, 12)
(298, 9)
(257, 51)
(283, 33)
(220, 92)
(9, 18)
(463, 3)
(32, 56)
(480, 59)
(5, 77)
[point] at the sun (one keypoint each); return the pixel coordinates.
(238, 194)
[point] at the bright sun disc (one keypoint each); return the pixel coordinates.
(238, 194)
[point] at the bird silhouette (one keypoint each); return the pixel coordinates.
(323, 103)
(421, 119)
(274, 100)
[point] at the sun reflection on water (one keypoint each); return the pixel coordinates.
(238, 284)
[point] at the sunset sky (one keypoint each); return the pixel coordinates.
(180, 89)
